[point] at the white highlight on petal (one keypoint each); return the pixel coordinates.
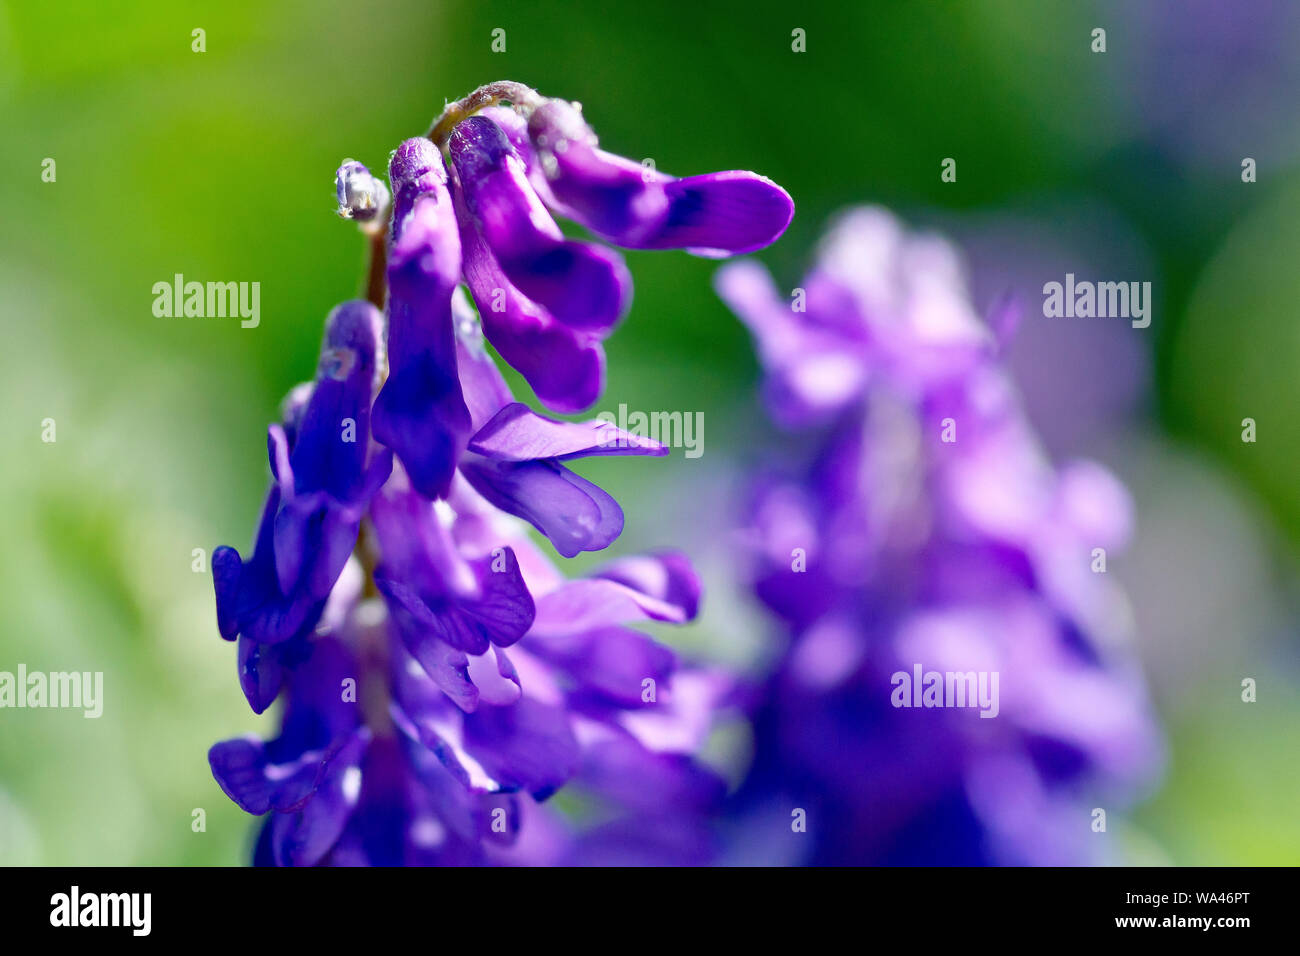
(428, 832)
(351, 784)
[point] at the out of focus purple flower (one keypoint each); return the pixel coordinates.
(928, 531)
(441, 679)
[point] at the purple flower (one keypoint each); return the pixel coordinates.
(545, 301)
(632, 205)
(412, 736)
(581, 284)
(481, 211)
(420, 412)
(441, 678)
(927, 534)
(514, 460)
(321, 484)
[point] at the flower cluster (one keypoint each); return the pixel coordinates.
(440, 677)
(927, 533)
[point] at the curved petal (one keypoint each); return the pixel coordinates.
(261, 674)
(485, 389)
(589, 603)
(329, 453)
(465, 603)
(517, 433)
(717, 214)
(302, 837)
(247, 775)
(666, 576)
(564, 366)
(501, 615)
(250, 602)
(420, 412)
(573, 513)
(227, 567)
(581, 284)
(527, 745)
(610, 665)
(723, 214)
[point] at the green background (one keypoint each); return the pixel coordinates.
(219, 165)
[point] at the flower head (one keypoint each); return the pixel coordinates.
(441, 678)
(928, 534)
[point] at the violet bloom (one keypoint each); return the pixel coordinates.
(927, 532)
(321, 485)
(475, 202)
(441, 679)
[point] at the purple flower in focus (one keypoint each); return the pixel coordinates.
(441, 679)
(928, 530)
(321, 485)
(475, 202)
(420, 412)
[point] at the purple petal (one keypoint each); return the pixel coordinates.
(420, 412)
(517, 433)
(608, 194)
(467, 604)
(261, 674)
(573, 513)
(648, 782)
(316, 714)
(812, 372)
(324, 482)
(501, 615)
(466, 679)
(589, 603)
(327, 456)
(314, 537)
(723, 214)
(257, 785)
(227, 567)
(718, 214)
(610, 664)
(449, 669)
(425, 714)
(564, 366)
(667, 576)
(454, 805)
(415, 170)
(304, 836)
(583, 285)
(249, 600)
(528, 745)
(485, 388)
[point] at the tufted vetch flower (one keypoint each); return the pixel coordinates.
(441, 678)
(927, 532)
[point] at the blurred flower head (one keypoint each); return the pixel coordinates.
(928, 533)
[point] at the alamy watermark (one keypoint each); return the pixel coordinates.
(1103, 300)
(208, 300)
(60, 689)
(674, 429)
(130, 910)
(923, 688)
